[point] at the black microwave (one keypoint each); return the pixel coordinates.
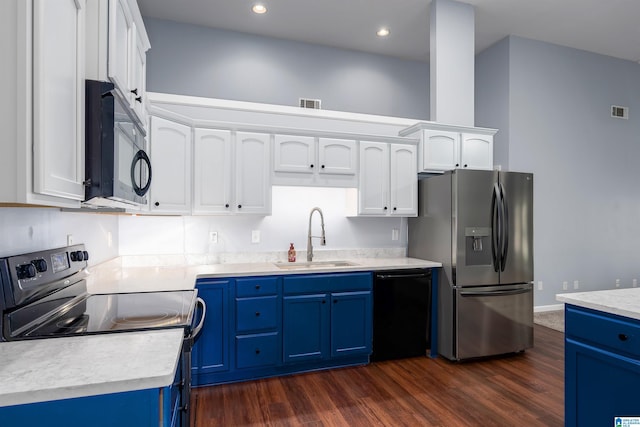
(117, 168)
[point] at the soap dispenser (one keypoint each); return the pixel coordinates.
(292, 253)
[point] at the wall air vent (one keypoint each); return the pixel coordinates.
(619, 112)
(309, 103)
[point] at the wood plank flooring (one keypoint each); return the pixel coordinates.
(525, 389)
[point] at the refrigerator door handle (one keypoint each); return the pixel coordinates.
(495, 227)
(494, 293)
(504, 229)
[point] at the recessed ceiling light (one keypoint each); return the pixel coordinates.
(383, 32)
(259, 8)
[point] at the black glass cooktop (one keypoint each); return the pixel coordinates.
(103, 313)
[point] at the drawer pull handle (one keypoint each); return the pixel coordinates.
(257, 314)
(257, 351)
(257, 287)
(623, 337)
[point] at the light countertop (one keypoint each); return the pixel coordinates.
(61, 368)
(623, 302)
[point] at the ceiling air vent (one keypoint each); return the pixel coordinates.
(619, 112)
(309, 103)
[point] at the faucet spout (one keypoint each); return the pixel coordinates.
(323, 240)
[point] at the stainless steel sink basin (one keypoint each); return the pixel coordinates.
(313, 264)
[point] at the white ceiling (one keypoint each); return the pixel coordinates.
(608, 27)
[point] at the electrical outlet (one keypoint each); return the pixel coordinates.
(539, 285)
(213, 237)
(255, 236)
(109, 239)
(69, 239)
(635, 283)
(576, 284)
(565, 286)
(617, 283)
(395, 234)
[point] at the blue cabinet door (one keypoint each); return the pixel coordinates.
(351, 323)
(211, 351)
(305, 327)
(599, 385)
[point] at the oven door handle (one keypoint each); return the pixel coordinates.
(198, 328)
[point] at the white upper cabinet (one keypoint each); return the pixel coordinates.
(42, 107)
(294, 154)
(314, 161)
(388, 180)
(445, 147)
(170, 153)
(476, 151)
(213, 172)
(117, 48)
(253, 172)
(337, 156)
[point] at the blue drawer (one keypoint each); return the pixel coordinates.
(255, 287)
(604, 330)
(254, 314)
(258, 350)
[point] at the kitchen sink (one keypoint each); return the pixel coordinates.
(313, 264)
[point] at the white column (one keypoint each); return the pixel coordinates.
(452, 60)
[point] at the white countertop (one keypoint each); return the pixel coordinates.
(623, 302)
(60, 368)
(111, 277)
(50, 369)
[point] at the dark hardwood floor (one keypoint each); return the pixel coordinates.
(525, 389)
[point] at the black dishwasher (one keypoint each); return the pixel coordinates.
(401, 314)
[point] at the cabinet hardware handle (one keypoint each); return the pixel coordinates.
(322, 166)
(465, 165)
(226, 205)
(239, 206)
(139, 99)
(257, 351)
(311, 166)
(623, 337)
(335, 301)
(457, 164)
(157, 203)
(257, 287)
(385, 208)
(324, 301)
(395, 208)
(134, 91)
(257, 314)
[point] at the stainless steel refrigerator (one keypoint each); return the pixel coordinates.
(479, 225)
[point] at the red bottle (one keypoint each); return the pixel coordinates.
(292, 253)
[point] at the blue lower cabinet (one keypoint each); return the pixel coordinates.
(259, 350)
(210, 353)
(130, 409)
(306, 327)
(351, 323)
(602, 367)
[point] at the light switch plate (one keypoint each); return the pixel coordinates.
(255, 236)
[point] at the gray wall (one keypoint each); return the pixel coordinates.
(200, 61)
(587, 192)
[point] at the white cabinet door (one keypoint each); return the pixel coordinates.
(58, 98)
(476, 151)
(121, 32)
(373, 194)
(212, 175)
(137, 89)
(337, 156)
(403, 180)
(253, 171)
(294, 154)
(439, 150)
(170, 147)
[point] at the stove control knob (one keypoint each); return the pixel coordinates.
(77, 256)
(26, 271)
(73, 256)
(86, 255)
(40, 264)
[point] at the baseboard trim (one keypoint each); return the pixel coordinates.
(552, 307)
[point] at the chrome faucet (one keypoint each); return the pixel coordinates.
(309, 236)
